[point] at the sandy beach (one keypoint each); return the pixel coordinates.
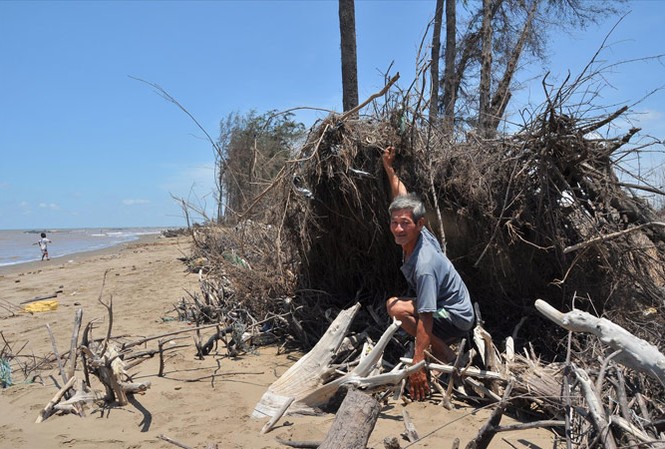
(197, 402)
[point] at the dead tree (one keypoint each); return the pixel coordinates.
(434, 68)
(347, 30)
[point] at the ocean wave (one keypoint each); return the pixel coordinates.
(18, 246)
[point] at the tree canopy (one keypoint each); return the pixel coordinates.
(253, 151)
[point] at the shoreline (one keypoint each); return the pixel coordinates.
(35, 265)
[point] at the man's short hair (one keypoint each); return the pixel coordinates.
(408, 202)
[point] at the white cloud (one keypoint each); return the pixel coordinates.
(4, 185)
(133, 202)
(51, 206)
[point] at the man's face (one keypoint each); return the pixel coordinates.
(404, 229)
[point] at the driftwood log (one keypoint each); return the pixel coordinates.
(470, 371)
(305, 381)
(48, 409)
(635, 353)
(596, 411)
(305, 375)
(354, 422)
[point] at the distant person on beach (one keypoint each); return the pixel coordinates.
(43, 245)
(441, 310)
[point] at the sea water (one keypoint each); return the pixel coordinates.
(18, 246)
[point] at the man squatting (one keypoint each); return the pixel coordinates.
(441, 311)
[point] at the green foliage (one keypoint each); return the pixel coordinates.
(253, 151)
(511, 21)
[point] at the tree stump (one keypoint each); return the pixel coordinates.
(354, 422)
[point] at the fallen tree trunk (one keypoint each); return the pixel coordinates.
(305, 375)
(635, 353)
(304, 382)
(361, 376)
(354, 422)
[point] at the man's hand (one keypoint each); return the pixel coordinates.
(388, 156)
(418, 385)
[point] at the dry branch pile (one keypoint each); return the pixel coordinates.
(105, 362)
(97, 370)
(513, 211)
(602, 405)
(539, 213)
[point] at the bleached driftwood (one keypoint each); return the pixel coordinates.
(270, 424)
(135, 387)
(168, 439)
(305, 380)
(305, 375)
(354, 422)
(531, 425)
(509, 353)
(454, 377)
(300, 443)
(109, 368)
(487, 352)
(46, 412)
(74, 405)
(73, 349)
(631, 429)
(360, 377)
(409, 428)
(470, 371)
(67, 408)
(596, 410)
(635, 353)
(481, 389)
(82, 397)
(488, 430)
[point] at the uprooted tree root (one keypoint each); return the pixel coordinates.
(540, 213)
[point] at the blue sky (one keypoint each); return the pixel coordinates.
(85, 145)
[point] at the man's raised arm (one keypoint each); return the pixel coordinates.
(397, 187)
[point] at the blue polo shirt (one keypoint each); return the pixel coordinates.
(438, 286)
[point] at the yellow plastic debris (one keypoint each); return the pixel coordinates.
(41, 306)
(650, 311)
